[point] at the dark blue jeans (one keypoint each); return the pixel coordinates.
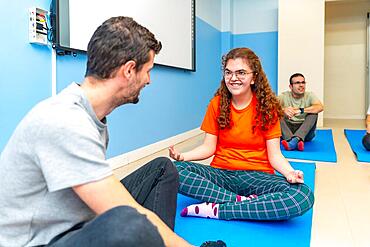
(154, 186)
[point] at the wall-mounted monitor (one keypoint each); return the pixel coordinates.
(172, 22)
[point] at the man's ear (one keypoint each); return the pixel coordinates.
(290, 86)
(128, 69)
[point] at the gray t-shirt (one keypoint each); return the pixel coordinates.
(59, 144)
(286, 99)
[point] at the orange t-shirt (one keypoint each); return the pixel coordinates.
(237, 147)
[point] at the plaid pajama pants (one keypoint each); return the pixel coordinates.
(277, 199)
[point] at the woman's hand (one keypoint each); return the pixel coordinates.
(175, 155)
(295, 176)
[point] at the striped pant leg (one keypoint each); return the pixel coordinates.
(277, 199)
(205, 183)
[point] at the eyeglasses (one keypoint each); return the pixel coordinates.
(299, 82)
(240, 74)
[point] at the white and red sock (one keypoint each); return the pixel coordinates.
(209, 210)
(243, 198)
(204, 210)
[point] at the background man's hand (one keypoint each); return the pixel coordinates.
(291, 111)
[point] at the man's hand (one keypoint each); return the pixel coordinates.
(291, 111)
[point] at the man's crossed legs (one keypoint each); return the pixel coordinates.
(295, 134)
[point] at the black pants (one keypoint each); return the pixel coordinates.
(154, 186)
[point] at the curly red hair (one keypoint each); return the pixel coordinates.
(268, 108)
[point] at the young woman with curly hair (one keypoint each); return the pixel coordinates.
(243, 133)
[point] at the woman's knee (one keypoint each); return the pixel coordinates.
(180, 165)
(304, 198)
(309, 195)
(268, 183)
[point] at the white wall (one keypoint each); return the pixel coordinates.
(209, 11)
(301, 44)
(345, 59)
(251, 16)
(226, 21)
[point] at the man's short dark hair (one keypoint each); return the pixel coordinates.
(117, 41)
(294, 75)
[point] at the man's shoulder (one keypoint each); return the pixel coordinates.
(310, 95)
(286, 94)
(55, 116)
(56, 108)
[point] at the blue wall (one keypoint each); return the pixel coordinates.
(265, 45)
(25, 68)
(257, 30)
(173, 103)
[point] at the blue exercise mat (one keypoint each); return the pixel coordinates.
(321, 148)
(289, 233)
(354, 138)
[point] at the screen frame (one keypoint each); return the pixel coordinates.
(56, 22)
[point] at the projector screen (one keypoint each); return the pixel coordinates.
(171, 21)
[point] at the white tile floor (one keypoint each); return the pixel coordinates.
(341, 214)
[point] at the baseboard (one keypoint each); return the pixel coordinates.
(134, 155)
(333, 116)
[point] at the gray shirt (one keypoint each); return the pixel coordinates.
(286, 99)
(59, 144)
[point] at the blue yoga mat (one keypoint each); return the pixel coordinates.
(294, 232)
(354, 138)
(321, 148)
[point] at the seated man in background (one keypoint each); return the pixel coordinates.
(301, 110)
(366, 138)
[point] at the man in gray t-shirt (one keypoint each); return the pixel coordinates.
(56, 187)
(300, 114)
